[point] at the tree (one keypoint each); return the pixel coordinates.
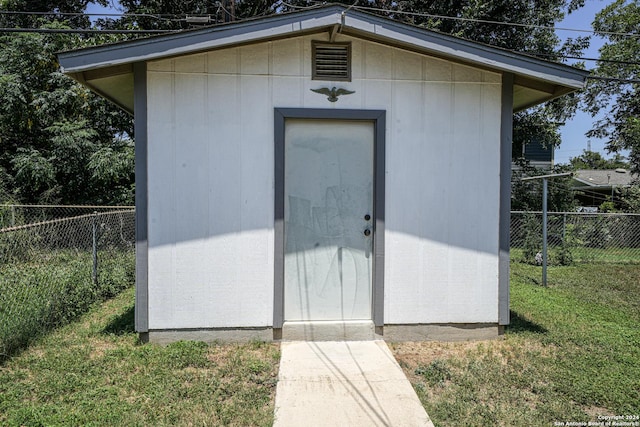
(527, 195)
(53, 12)
(62, 143)
(594, 160)
(473, 20)
(52, 128)
(630, 199)
(619, 101)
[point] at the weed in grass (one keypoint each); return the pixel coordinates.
(436, 373)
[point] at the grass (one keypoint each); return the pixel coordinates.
(586, 255)
(571, 353)
(607, 255)
(94, 372)
(53, 289)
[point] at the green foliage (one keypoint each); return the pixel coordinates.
(527, 195)
(619, 102)
(594, 160)
(608, 206)
(34, 174)
(94, 371)
(532, 240)
(54, 7)
(630, 198)
(562, 255)
(540, 123)
(40, 295)
(62, 144)
(436, 373)
(50, 127)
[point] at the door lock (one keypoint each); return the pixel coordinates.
(367, 232)
(367, 217)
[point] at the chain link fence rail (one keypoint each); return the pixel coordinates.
(55, 262)
(576, 237)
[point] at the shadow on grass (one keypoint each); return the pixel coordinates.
(520, 324)
(123, 324)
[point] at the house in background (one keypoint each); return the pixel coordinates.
(596, 186)
(535, 153)
(306, 175)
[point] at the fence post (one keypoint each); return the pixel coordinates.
(94, 275)
(544, 217)
(544, 231)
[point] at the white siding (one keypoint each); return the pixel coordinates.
(211, 184)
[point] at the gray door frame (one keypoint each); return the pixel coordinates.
(378, 117)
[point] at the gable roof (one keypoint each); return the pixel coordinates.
(108, 69)
(602, 178)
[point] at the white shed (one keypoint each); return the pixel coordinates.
(324, 174)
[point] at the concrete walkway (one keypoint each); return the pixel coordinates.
(346, 383)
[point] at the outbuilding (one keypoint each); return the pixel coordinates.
(325, 174)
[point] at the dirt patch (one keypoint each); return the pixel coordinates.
(411, 354)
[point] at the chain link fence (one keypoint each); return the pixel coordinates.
(55, 262)
(576, 237)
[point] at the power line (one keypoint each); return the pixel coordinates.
(175, 19)
(582, 58)
(181, 17)
(135, 15)
(486, 21)
(614, 79)
(81, 31)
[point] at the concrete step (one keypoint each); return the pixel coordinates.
(351, 330)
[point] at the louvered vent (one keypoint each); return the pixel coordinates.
(331, 61)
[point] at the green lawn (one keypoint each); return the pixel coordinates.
(53, 288)
(584, 255)
(94, 372)
(572, 353)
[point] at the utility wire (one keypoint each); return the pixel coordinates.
(81, 31)
(19, 12)
(486, 21)
(164, 17)
(614, 79)
(176, 17)
(612, 61)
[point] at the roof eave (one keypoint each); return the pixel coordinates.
(559, 79)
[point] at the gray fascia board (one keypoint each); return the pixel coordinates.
(287, 25)
(198, 40)
(468, 51)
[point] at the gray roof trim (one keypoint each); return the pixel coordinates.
(314, 20)
(173, 44)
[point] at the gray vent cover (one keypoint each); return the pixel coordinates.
(331, 61)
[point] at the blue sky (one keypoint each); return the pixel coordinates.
(573, 139)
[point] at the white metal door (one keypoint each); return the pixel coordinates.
(328, 216)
